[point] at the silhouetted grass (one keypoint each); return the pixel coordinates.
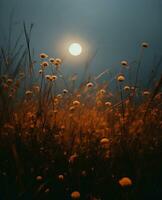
(90, 142)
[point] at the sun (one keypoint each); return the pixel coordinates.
(75, 49)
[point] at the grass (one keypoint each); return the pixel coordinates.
(58, 141)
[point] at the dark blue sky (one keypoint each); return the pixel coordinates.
(116, 27)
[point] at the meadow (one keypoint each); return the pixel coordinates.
(90, 142)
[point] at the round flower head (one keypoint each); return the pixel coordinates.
(146, 92)
(72, 108)
(108, 103)
(61, 177)
(43, 55)
(75, 195)
(39, 178)
(126, 88)
(47, 190)
(59, 96)
(54, 78)
(145, 45)
(104, 141)
(124, 63)
(102, 91)
(65, 91)
(9, 81)
(44, 64)
(10, 95)
(28, 93)
(76, 103)
(55, 111)
(120, 78)
(83, 173)
(40, 71)
(133, 88)
(58, 61)
(125, 182)
(52, 60)
(48, 77)
(89, 85)
(73, 158)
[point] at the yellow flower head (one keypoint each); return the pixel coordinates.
(104, 141)
(61, 177)
(120, 78)
(126, 88)
(75, 195)
(125, 182)
(76, 103)
(39, 178)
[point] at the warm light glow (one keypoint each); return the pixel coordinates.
(75, 49)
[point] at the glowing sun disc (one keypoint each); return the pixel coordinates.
(75, 49)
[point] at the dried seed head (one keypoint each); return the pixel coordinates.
(48, 77)
(61, 177)
(75, 195)
(44, 64)
(72, 108)
(65, 91)
(120, 78)
(58, 61)
(89, 85)
(28, 93)
(125, 182)
(102, 91)
(108, 103)
(54, 77)
(104, 141)
(76, 103)
(52, 60)
(43, 55)
(145, 45)
(39, 178)
(124, 63)
(146, 92)
(9, 81)
(126, 88)
(40, 71)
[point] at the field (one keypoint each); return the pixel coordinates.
(62, 141)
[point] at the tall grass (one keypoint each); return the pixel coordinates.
(90, 142)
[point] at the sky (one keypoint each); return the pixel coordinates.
(115, 28)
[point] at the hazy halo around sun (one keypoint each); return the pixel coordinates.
(75, 49)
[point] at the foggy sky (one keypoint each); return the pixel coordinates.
(116, 27)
